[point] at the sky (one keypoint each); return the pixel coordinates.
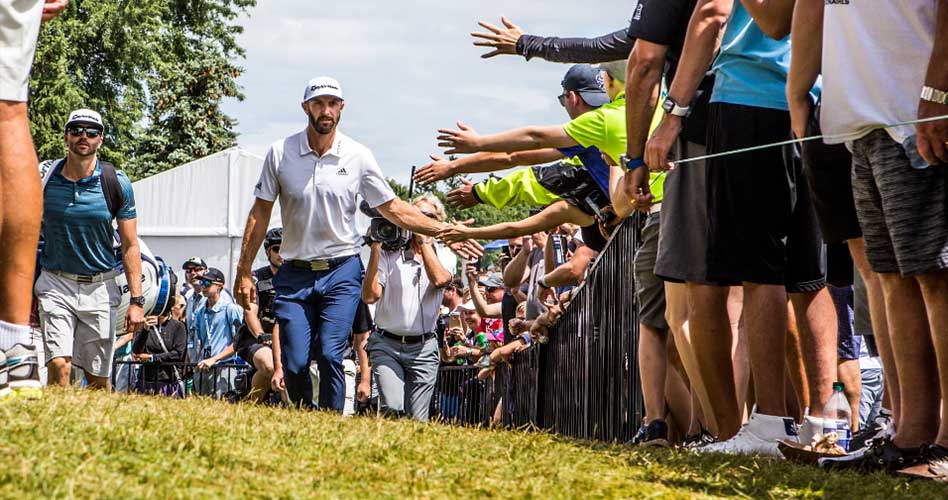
(407, 68)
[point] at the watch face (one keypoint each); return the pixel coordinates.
(668, 105)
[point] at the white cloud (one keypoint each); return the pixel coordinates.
(407, 68)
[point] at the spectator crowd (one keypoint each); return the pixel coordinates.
(791, 295)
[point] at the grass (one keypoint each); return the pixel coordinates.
(79, 444)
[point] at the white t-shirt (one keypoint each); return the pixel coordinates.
(410, 303)
(875, 55)
(318, 194)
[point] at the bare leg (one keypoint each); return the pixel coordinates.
(735, 313)
(796, 368)
(93, 382)
(59, 371)
(677, 394)
(21, 206)
(914, 360)
(935, 291)
(765, 317)
(710, 332)
(653, 365)
(880, 326)
(260, 384)
(851, 377)
(816, 320)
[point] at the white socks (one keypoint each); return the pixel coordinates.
(11, 334)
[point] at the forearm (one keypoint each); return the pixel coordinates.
(359, 340)
(526, 139)
(806, 46)
(701, 42)
(438, 276)
(937, 74)
(371, 289)
(225, 354)
(275, 347)
(642, 87)
(408, 217)
(516, 270)
(772, 16)
(480, 163)
(564, 275)
(132, 258)
(620, 196)
(254, 233)
(605, 48)
(123, 340)
(253, 323)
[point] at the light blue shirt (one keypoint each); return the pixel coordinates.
(77, 225)
(216, 327)
(751, 68)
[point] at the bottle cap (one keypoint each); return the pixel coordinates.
(838, 386)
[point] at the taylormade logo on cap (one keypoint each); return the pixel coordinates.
(85, 116)
(322, 85)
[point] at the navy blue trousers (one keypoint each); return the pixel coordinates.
(315, 310)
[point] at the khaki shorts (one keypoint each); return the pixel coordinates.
(78, 321)
(649, 288)
(19, 29)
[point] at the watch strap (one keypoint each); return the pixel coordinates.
(932, 94)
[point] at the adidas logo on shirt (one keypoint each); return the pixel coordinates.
(342, 171)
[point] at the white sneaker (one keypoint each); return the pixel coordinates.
(759, 436)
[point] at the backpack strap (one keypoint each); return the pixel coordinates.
(111, 188)
(49, 168)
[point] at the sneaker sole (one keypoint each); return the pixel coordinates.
(656, 443)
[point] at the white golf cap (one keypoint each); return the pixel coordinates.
(322, 85)
(85, 116)
(468, 306)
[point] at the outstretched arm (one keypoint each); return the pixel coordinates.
(466, 140)
(440, 168)
(551, 216)
(408, 217)
(511, 40)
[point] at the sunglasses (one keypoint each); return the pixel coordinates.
(91, 132)
(429, 215)
(275, 248)
(562, 98)
(207, 283)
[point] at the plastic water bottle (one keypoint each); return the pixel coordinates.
(837, 416)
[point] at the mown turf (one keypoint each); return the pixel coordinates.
(92, 445)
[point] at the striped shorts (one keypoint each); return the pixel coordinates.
(903, 211)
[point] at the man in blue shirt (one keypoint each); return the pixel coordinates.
(216, 326)
(763, 230)
(76, 290)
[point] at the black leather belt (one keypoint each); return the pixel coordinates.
(320, 264)
(406, 339)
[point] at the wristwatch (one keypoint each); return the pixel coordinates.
(139, 301)
(631, 163)
(931, 94)
(673, 108)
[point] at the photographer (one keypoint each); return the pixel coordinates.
(407, 287)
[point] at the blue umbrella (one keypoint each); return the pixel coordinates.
(495, 245)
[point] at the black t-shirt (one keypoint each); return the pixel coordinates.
(266, 295)
(665, 22)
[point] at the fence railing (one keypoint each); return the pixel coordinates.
(584, 383)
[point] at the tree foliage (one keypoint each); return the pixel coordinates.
(157, 70)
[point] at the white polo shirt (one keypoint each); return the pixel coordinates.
(410, 303)
(318, 194)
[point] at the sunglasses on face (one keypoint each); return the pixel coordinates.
(429, 215)
(562, 98)
(275, 248)
(207, 283)
(91, 132)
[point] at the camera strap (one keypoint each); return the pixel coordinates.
(161, 341)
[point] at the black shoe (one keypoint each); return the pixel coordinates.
(653, 434)
(881, 455)
(698, 440)
(872, 430)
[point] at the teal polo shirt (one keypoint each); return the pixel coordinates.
(77, 225)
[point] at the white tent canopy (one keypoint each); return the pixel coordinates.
(200, 209)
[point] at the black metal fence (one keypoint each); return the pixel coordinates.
(584, 383)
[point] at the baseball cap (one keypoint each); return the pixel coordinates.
(195, 262)
(322, 85)
(469, 306)
(85, 116)
(587, 81)
(492, 280)
(214, 274)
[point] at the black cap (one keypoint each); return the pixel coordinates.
(214, 274)
(587, 81)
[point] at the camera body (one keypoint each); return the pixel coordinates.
(384, 231)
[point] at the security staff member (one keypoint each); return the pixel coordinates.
(317, 174)
(407, 288)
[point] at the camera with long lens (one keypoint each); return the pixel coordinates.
(384, 231)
